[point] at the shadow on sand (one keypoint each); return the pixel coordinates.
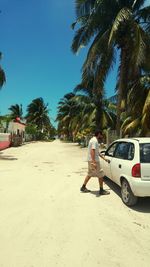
(6, 157)
(96, 193)
(143, 204)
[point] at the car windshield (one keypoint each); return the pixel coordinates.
(145, 153)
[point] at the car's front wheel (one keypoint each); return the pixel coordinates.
(126, 194)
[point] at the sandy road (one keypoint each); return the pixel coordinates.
(45, 221)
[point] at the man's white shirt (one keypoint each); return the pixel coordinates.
(93, 144)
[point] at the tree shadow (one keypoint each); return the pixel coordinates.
(143, 204)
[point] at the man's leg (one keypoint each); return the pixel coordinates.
(101, 190)
(83, 188)
(101, 181)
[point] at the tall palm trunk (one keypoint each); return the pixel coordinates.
(98, 117)
(122, 86)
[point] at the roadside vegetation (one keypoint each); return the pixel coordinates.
(110, 29)
(37, 120)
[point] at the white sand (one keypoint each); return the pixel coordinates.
(45, 221)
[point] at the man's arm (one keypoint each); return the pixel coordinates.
(93, 156)
(103, 157)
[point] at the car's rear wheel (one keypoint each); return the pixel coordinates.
(126, 194)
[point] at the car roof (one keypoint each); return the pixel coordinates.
(139, 139)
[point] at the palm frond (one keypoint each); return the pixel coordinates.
(132, 126)
(81, 38)
(84, 7)
(2, 77)
(137, 4)
(123, 16)
(144, 15)
(87, 90)
(126, 122)
(103, 69)
(80, 20)
(139, 45)
(73, 25)
(113, 99)
(97, 47)
(99, 61)
(146, 107)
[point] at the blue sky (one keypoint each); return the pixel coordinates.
(35, 41)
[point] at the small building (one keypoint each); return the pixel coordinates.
(5, 140)
(15, 130)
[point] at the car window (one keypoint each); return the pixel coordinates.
(145, 153)
(110, 151)
(124, 150)
(131, 151)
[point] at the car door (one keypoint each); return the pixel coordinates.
(145, 161)
(121, 161)
(109, 156)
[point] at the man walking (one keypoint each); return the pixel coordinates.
(94, 169)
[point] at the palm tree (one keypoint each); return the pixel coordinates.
(4, 122)
(64, 115)
(133, 40)
(112, 25)
(137, 120)
(93, 108)
(77, 113)
(16, 111)
(37, 114)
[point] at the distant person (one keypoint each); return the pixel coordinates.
(94, 169)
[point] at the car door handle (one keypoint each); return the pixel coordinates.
(119, 166)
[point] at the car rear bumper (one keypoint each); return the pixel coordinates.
(140, 188)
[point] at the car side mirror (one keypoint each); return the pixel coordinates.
(103, 152)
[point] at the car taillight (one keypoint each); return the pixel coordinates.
(136, 170)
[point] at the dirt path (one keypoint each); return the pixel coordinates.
(45, 221)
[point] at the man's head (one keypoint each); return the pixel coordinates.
(98, 134)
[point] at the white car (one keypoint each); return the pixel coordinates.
(129, 166)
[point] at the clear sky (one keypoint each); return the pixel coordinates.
(35, 41)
